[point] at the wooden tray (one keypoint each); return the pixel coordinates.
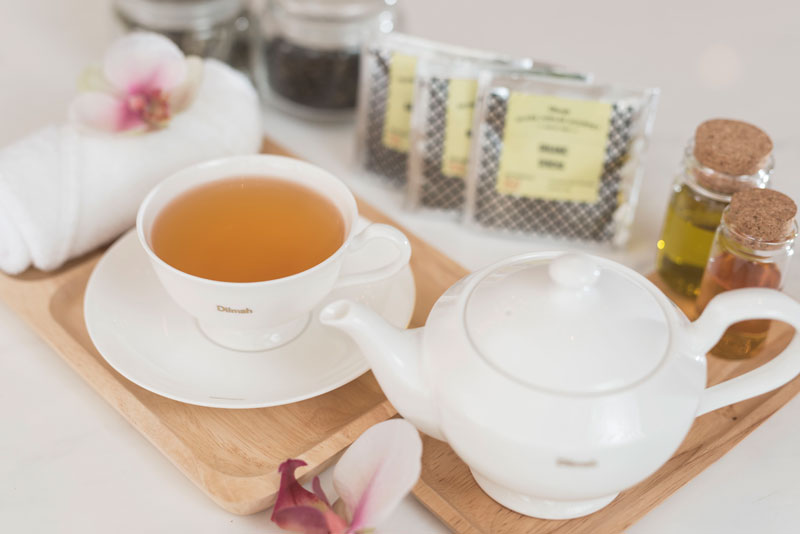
(232, 455)
(449, 491)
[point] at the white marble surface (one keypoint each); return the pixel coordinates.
(69, 463)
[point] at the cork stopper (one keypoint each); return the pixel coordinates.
(731, 148)
(761, 215)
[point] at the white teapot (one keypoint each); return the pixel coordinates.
(561, 378)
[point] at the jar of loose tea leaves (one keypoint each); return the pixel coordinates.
(308, 52)
(725, 156)
(205, 28)
(752, 248)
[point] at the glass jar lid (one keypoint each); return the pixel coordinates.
(334, 9)
(567, 323)
(178, 15)
(332, 24)
(726, 156)
(719, 185)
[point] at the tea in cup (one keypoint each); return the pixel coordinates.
(249, 245)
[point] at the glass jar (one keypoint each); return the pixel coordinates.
(308, 52)
(699, 196)
(205, 28)
(743, 257)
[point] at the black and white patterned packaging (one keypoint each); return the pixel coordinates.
(387, 97)
(558, 158)
(441, 125)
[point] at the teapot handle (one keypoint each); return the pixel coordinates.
(738, 305)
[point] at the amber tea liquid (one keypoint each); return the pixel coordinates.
(725, 272)
(247, 229)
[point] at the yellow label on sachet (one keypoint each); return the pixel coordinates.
(553, 148)
(458, 126)
(397, 122)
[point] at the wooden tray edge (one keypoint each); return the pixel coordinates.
(442, 509)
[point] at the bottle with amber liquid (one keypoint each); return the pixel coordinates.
(752, 248)
(725, 156)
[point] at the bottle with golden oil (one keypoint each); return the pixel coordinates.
(752, 248)
(723, 157)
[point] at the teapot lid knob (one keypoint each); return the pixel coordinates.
(574, 270)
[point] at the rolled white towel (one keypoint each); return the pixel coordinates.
(64, 192)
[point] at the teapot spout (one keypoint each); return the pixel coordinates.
(395, 357)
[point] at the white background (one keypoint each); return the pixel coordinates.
(69, 463)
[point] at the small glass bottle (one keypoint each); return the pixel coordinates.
(307, 54)
(724, 157)
(752, 248)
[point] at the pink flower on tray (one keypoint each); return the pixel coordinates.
(144, 81)
(371, 478)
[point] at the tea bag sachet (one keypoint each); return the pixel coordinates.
(557, 158)
(387, 97)
(441, 125)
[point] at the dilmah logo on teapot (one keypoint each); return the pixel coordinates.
(226, 309)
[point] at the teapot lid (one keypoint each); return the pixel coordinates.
(567, 323)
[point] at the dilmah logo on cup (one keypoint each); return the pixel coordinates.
(226, 309)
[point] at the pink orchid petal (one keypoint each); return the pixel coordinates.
(102, 112)
(92, 79)
(336, 525)
(377, 471)
(290, 492)
(299, 510)
(303, 519)
(316, 485)
(142, 62)
(183, 95)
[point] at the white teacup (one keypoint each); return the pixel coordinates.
(262, 315)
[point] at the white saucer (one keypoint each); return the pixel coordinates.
(149, 340)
